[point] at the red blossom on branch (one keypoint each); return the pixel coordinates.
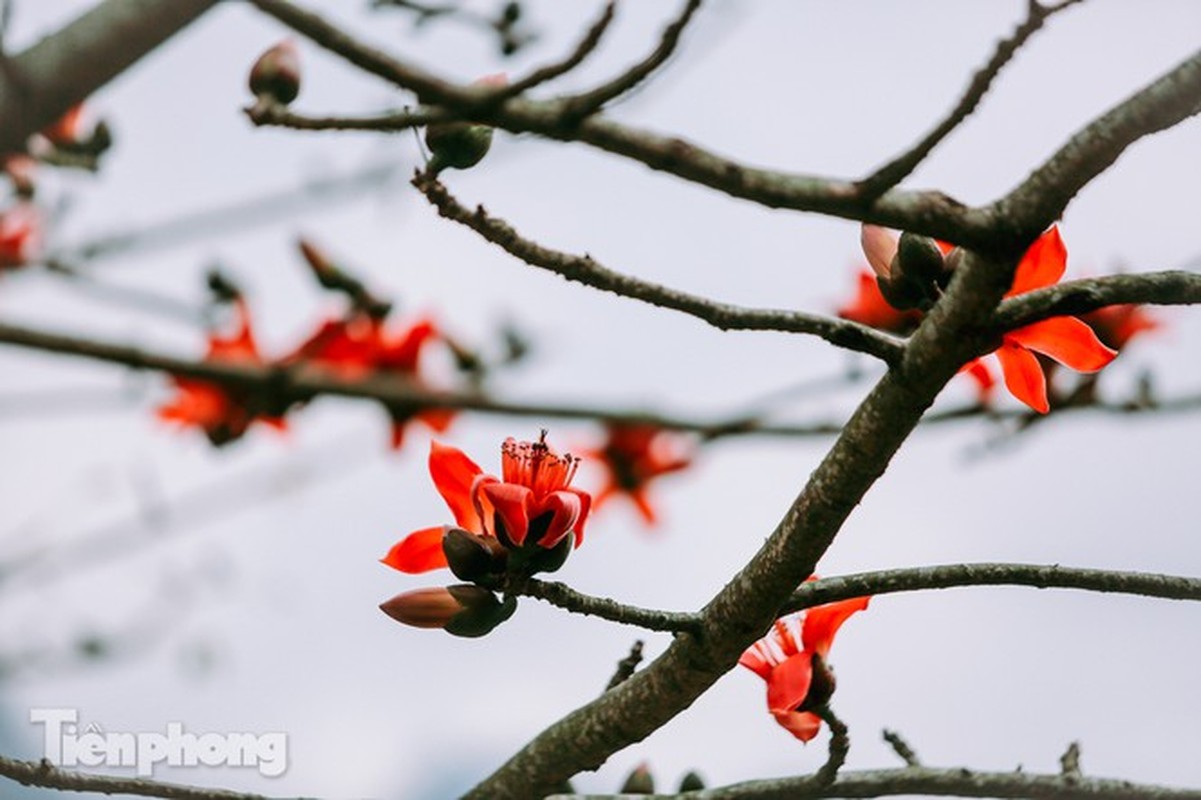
(633, 456)
(792, 658)
(1117, 325)
(360, 345)
(531, 511)
(222, 412)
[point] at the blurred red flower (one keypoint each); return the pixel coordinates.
(222, 412)
(633, 455)
(20, 235)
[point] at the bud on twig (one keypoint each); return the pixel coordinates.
(460, 144)
(472, 557)
(461, 610)
(640, 781)
(276, 74)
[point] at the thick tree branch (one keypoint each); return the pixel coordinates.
(900, 167)
(44, 774)
(1171, 287)
(724, 316)
(930, 782)
(38, 85)
(1042, 197)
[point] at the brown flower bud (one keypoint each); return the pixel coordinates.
(276, 74)
(640, 781)
(472, 557)
(432, 607)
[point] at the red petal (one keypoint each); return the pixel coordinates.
(643, 504)
(565, 506)
(1042, 265)
(420, 551)
(1023, 376)
(801, 724)
(453, 473)
(789, 682)
(982, 375)
(822, 622)
(755, 660)
(585, 507)
(1068, 340)
(511, 504)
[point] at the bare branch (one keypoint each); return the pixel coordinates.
(584, 269)
(900, 167)
(839, 747)
(281, 116)
(43, 773)
(626, 667)
(563, 596)
(38, 85)
(588, 103)
(1041, 198)
(828, 590)
(582, 50)
(901, 748)
(926, 781)
(1170, 287)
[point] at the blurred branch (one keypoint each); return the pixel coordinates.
(226, 218)
(38, 85)
(588, 103)
(587, 44)
(900, 167)
(276, 114)
(584, 269)
(929, 781)
(506, 24)
(901, 748)
(43, 773)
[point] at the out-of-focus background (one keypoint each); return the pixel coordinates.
(146, 577)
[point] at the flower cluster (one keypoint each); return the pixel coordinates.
(357, 346)
(911, 272)
(526, 521)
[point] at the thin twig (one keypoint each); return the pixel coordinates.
(901, 748)
(839, 747)
(588, 103)
(626, 667)
(584, 269)
(277, 115)
(563, 596)
(1069, 763)
(900, 167)
(583, 49)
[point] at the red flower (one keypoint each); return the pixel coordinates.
(20, 235)
(359, 346)
(221, 412)
(1117, 325)
(799, 681)
(870, 308)
(633, 456)
(531, 506)
(1067, 340)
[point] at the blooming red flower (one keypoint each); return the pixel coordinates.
(633, 456)
(359, 345)
(1117, 325)
(869, 307)
(20, 235)
(532, 504)
(792, 659)
(221, 412)
(1067, 340)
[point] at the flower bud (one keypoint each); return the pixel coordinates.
(879, 246)
(276, 74)
(433, 607)
(640, 781)
(472, 557)
(460, 144)
(482, 611)
(692, 782)
(536, 558)
(919, 260)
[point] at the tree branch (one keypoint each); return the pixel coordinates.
(1170, 287)
(38, 85)
(563, 596)
(43, 773)
(584, 269)
(927, 781)
(582, 50)
(900, 167)
(1145, 584)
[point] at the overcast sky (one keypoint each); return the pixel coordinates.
(258, 595)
